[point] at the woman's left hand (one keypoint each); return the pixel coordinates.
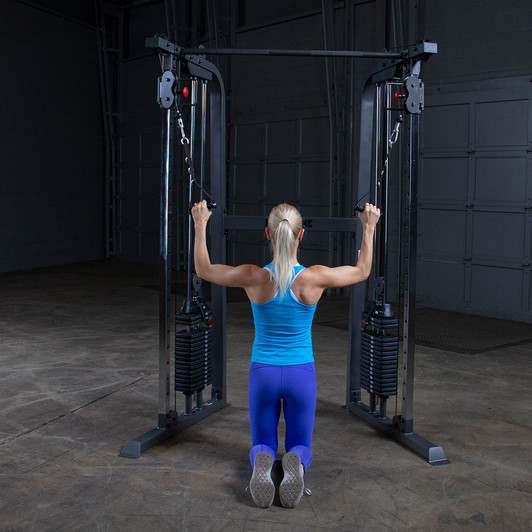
(370, 215)
(200, 213)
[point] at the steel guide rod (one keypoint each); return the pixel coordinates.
(203, 129)
(406, 421)
(376, 199)
(203, 135)
(386, 173)
(193, 105)
(192, 143)
(165, 271)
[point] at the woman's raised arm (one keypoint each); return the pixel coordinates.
(221, 274)
(342, 276)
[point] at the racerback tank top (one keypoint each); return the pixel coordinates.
(283, 329)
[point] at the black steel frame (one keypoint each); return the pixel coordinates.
(402, 425)
(169, 421)
(392, 66)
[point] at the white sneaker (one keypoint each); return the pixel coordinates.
(261, 486)
(292, 487)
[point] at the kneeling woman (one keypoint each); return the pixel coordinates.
(283, 298)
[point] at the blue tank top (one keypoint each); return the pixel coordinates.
(283, 329)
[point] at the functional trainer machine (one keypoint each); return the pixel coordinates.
(392, 101)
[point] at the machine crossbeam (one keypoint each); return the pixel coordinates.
(296, 53)
(243, 223)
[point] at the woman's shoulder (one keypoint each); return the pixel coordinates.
(313, 271)
(310, 275)
(253, 270)
(258, 275)
(315, 275)
(306, 286)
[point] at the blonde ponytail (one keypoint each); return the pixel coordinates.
(284, 223)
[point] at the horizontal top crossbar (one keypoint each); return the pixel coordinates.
(300, 53)
(243, 223)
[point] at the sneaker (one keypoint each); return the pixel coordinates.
(292, 487)
(261, 486)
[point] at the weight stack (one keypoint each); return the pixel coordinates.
(379, 357)
(193, 360)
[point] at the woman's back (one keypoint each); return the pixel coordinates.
(283, 328)
(263, 289)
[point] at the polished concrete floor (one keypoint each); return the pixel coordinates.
(79, 377)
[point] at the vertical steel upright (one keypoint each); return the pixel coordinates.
(170, 422)
(408, 272)
(165, 263)
(408, 71)
(218, 249)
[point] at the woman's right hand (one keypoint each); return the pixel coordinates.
(370, 215)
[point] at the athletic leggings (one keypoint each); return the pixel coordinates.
(296, 387)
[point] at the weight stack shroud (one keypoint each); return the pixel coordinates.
(379, 356)
(193, 360)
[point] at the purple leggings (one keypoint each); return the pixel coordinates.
(296, 387)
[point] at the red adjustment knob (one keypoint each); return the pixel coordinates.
(184, 92)
(397, 95)
(209, 321)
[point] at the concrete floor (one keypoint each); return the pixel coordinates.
(79, 378)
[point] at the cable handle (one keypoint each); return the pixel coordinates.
(358, 207)
(211, 204)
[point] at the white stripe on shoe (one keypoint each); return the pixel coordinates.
(261, 486)
(292, 487)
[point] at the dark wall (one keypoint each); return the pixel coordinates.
(290, 122)
(475, 228)
(51, 143)
(139, 138)
(292, 132)
(478, 39)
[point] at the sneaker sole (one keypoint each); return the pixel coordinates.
(292, 487)
(261, 486)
